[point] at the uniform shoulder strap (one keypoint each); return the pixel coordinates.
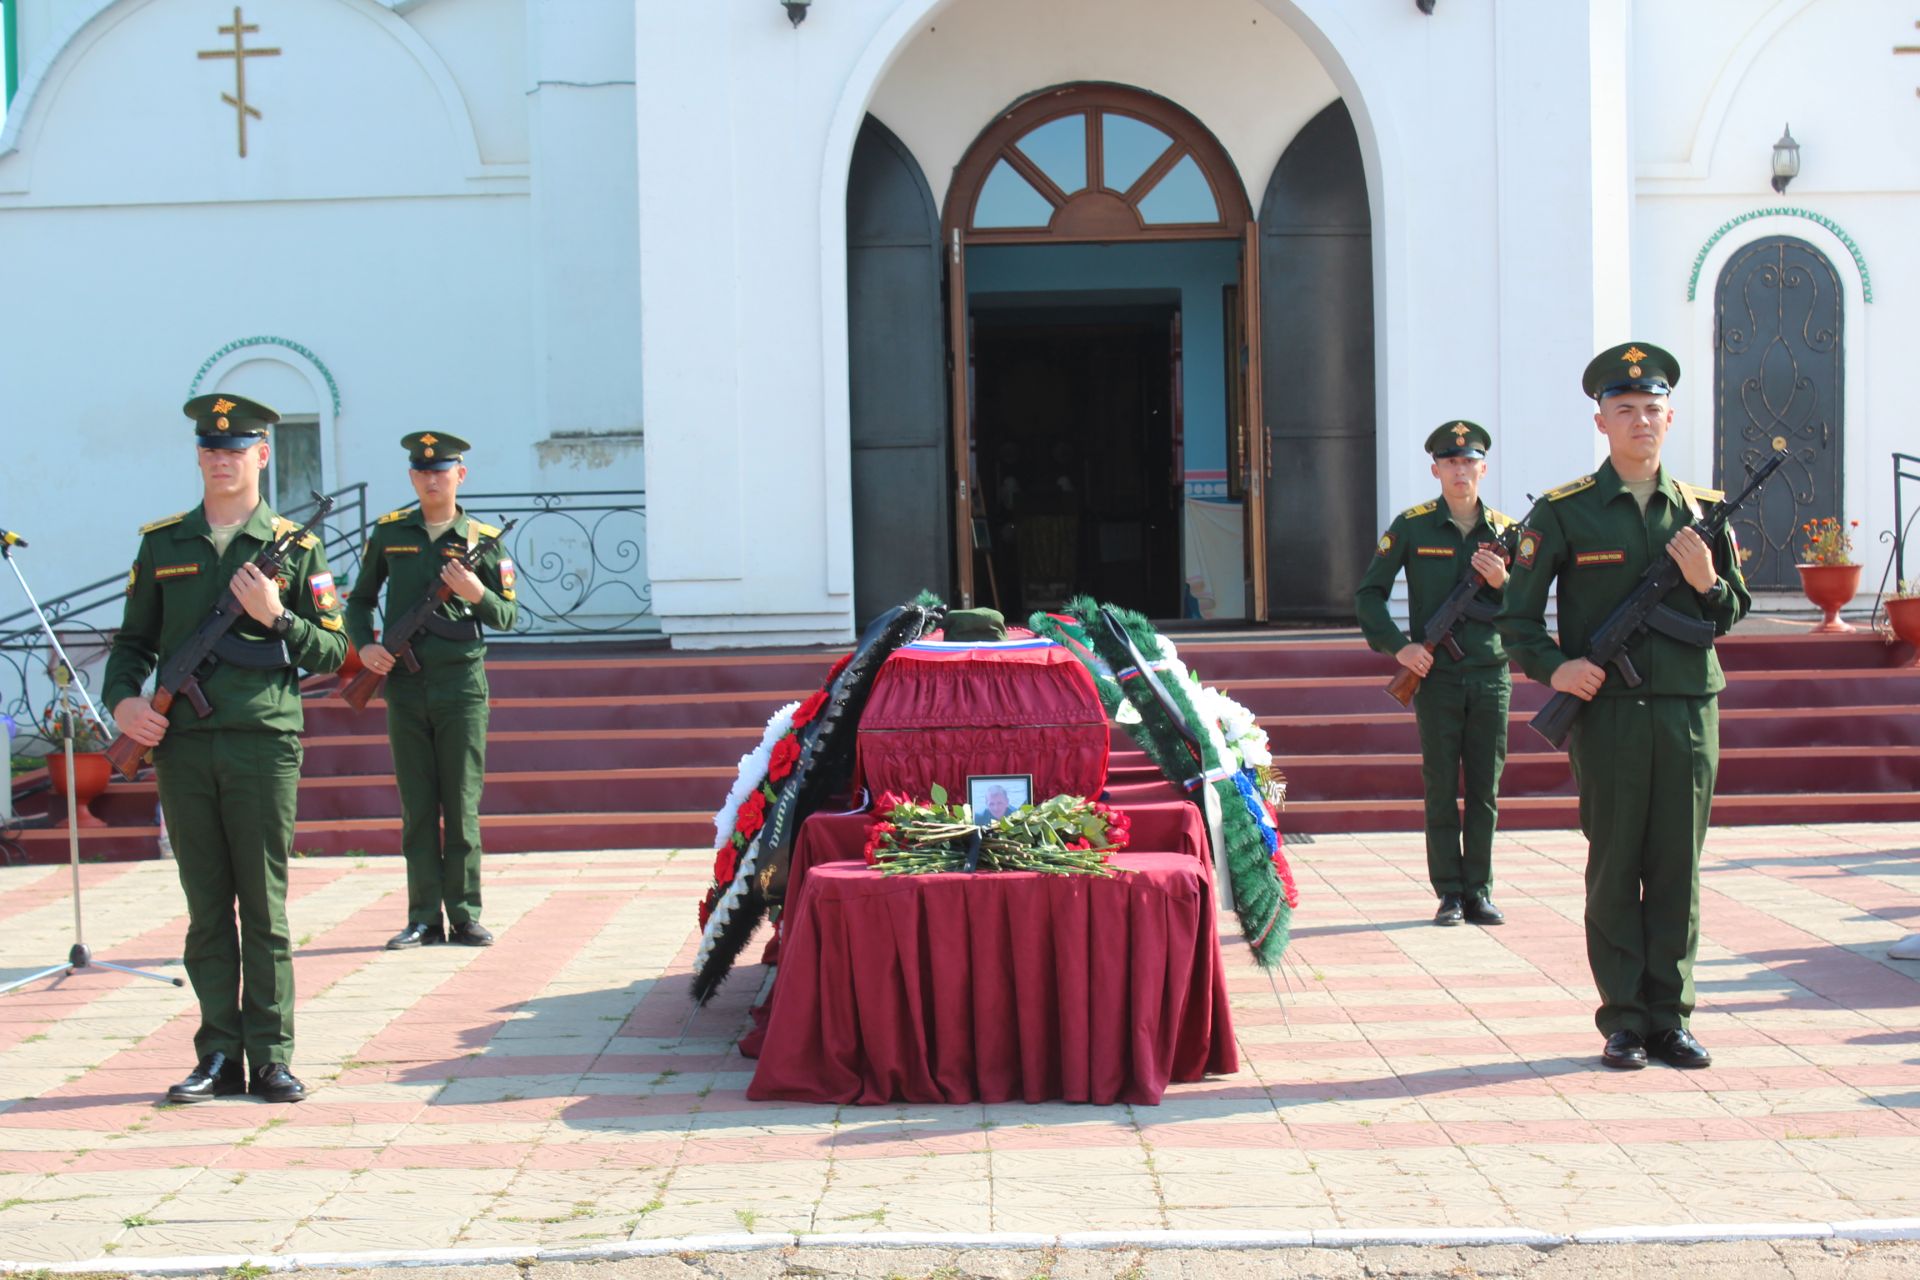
(1570, 488)
(162, 522)
(283, 526)
(1426, 508)
(398, 513)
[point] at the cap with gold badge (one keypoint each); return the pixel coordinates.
(1631, 366)
(228, 421)
(1459, 439)
(434, 450)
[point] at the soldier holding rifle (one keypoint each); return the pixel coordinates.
(437, 697)
(247, 595)
(1645, 746)
(1460, 672)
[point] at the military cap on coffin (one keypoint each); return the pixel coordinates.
(976, 624)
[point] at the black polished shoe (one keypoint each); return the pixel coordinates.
(471, 933)
(1449, 912)
(274, 1083)
(216, 1076)
(1677, 1048)
(1480, 910)
(415, 935)
(1625, 1051)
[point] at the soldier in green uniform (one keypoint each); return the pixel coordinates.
(229, 783)
(1461, 708)
(436, 716)
(1644, 758)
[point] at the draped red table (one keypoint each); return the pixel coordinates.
(1005, 985)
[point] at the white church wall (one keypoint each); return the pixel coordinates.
(1703, 192)
(363, 227)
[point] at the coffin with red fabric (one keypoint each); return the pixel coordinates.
(942, 711)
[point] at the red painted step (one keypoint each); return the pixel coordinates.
(636, 751)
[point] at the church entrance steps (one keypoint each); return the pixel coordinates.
(637, 751)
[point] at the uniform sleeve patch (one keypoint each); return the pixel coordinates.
(1445, 553)
(331, 623)
(324, 598)
(1386, 544)
(168, 572)
(1528, 549)
(506, 577)
(133, 577)
(1583, 559)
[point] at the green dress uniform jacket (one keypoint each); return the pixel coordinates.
(229, 784)
(1644, 759)
(437, 716)
(1462, 706)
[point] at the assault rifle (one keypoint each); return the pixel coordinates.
(210, 642)
(423, 616)
(1643, 610)
(1462, 602)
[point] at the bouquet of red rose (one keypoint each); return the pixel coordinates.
(1066, 835)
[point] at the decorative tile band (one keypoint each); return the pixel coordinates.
(1783, 211)
(267, 340)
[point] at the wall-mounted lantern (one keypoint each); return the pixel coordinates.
(1786, 160)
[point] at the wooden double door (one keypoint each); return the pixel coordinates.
(1299, 375)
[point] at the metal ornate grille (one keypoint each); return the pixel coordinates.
(1778, 382)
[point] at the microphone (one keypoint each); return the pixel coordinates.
(8, 538)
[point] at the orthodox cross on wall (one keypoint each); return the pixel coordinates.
(1909, 48)
(240, 30)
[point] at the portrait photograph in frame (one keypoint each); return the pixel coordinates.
(994, 795)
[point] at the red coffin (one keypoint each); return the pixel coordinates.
(942, 711)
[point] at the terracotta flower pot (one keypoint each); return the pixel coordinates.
(91, 774)
(1830, 587)
(1904, 616)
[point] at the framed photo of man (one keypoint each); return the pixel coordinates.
(995, 795)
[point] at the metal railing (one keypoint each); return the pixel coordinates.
(580, 561)
(86, 619)
(1906, 468)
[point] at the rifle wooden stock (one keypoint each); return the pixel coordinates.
(359, 691)
(366, 682)
(1405, 684)
(126, 755)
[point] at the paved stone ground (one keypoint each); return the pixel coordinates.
(540, 1095)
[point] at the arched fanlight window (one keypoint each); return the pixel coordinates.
(1096, 162)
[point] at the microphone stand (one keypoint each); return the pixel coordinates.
(79, 956)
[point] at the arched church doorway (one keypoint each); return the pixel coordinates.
(1095, 238)
(1112, 396)
(1779, 373)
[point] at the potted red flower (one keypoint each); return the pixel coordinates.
(1828, 573)
(91, 772)
(1903, 618)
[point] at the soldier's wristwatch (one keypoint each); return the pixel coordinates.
(282, 624)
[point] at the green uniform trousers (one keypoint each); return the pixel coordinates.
(1645, 768)
(437, 723)
(228, 796)
(1462, 716)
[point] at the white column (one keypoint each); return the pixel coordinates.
(743, 488)
(580, 56)
(1563, 204)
